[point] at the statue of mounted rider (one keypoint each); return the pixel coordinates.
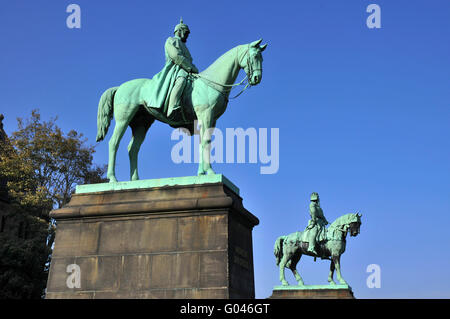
(167, 87)
(315, 231)
(316, 241)
(178, 95)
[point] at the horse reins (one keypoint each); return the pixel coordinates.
(249, 67)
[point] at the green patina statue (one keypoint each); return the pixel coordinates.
(180, 62)
(178, 96)
(316, 241)
(315, 230)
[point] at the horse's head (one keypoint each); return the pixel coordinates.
(348, 223)
(251, 61)
(354, 224)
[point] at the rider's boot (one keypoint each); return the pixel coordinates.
(311, 247)
(175, 95)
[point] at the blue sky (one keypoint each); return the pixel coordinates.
(363, 115)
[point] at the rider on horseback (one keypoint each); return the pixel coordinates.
(315, 231)
(179, 55)
(164, 92)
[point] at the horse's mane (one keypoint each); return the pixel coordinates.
(212, 68)
(344, 220)
(336, 226)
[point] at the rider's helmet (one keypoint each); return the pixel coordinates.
(181, 26)
(314, 196)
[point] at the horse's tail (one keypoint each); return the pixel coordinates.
(105, 112)
(278, 248)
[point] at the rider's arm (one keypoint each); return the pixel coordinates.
(322, 216)
(313, 212)
(177, 57)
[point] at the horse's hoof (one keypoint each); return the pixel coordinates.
(284, 283)
(332, 283)
(112, 179)
(210, 172)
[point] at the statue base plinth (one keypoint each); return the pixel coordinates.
(313, 292)
(166, 241)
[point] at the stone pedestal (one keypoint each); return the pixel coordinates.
(185, 239)
(313, 292)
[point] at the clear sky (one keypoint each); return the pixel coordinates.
(363, 115)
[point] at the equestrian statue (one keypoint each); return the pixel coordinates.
(178, 95)
(316, 241)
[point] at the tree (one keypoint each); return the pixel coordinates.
(59, 161)
(23, 255)
(42, 167)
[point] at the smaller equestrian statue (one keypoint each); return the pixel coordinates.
(316, 241)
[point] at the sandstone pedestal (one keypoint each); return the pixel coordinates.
(313, 292)
(171, 238)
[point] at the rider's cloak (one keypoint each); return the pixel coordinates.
(178, 62)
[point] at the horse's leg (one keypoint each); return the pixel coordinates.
(282, 265)
(337, 263)
(119, 130)
(330, 275)
(206, 130)
(293, 268)
(138, 137)
(123, 115)
(288, 253)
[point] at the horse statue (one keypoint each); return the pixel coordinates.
(288, 249)
(204, 99)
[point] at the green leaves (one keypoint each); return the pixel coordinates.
(41, 166)
(46, 162)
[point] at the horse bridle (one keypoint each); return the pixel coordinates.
(249, 73)
(249, 70)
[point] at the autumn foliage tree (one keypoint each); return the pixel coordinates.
(41, 166)
(59, 161)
